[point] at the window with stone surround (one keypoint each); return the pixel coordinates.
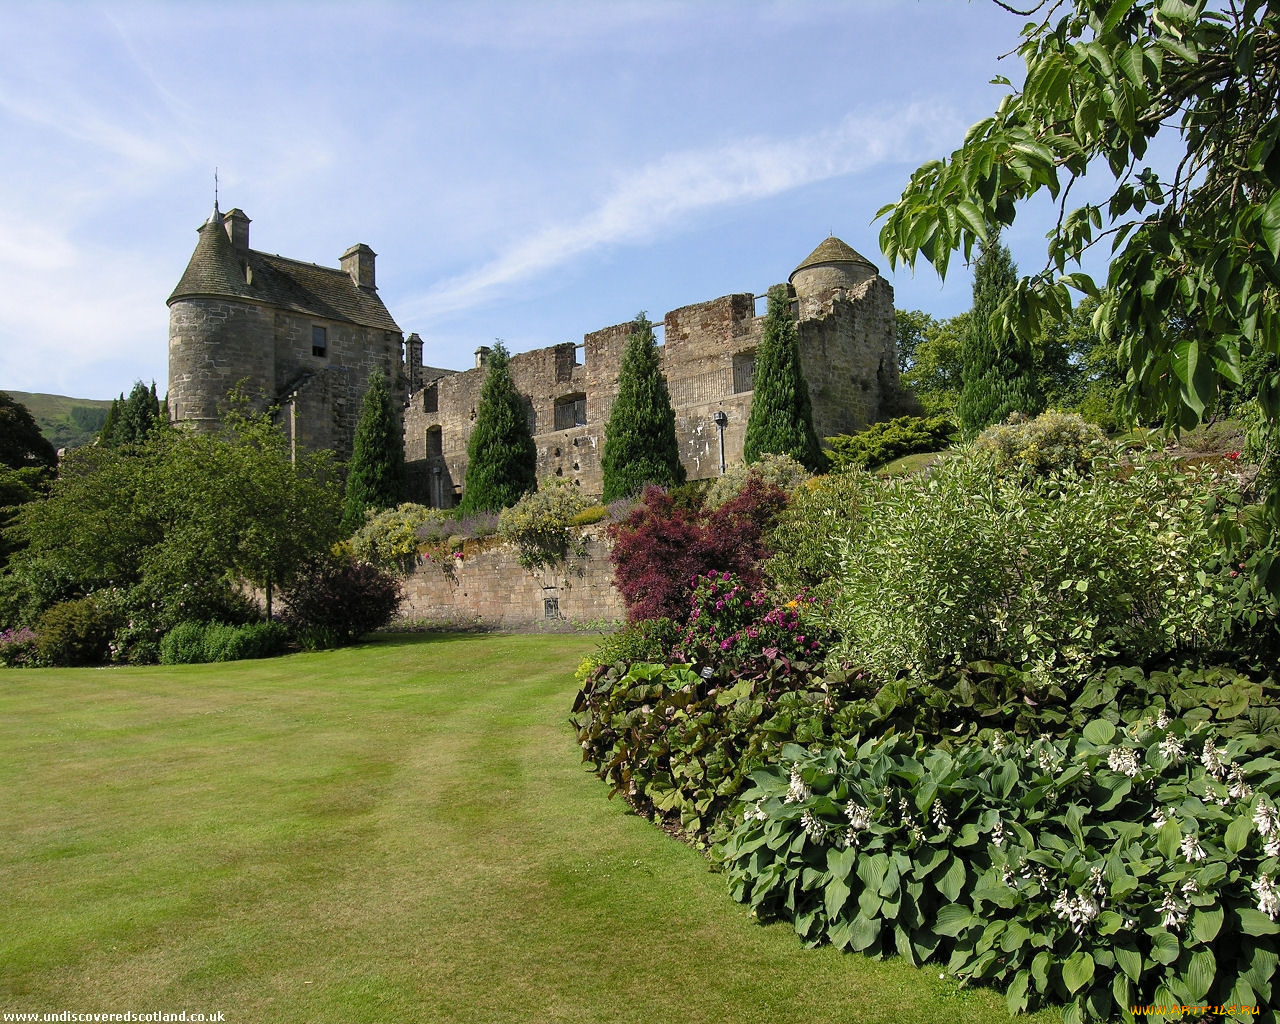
(319, 342)
(571, 411)
(744, 371)
(435, 443)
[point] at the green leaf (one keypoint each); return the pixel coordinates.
(1200, 974)
(1206, 922)
(835, 894)
(1099, 731)
(953, 919)
(1271, 225)
(1130, 961)
(1254, 922)
(1238, 832)
(951, 881)
(863, 932)
(1170, 839)
(1016, 997)
(1116, 15)
(1077, 971)
(1165, 947)
(1261, 969)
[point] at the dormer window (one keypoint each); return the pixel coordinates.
(319, 342)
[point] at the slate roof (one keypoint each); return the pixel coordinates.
(218, 270)
(832, 250)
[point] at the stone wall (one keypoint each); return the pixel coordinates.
(215, 344)
(490, 588)
(848, 352)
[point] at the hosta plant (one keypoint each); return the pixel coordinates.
(1119, 869)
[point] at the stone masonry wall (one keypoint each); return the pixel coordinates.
(213, 345)
(490, 588)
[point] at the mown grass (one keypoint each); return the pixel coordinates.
(396, 832)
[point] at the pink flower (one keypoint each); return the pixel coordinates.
(724, 578)
(724, 645)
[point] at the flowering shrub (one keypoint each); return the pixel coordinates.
(1114, 869)
(821, 511)
(781, 471)
(729, 622)
(540, 524)
(18, 648)
(390, 539)
(659, 548)
(1053, 442)
(1057, 575)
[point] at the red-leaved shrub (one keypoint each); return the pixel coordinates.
(661, 549)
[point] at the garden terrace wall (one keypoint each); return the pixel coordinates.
(491, 588)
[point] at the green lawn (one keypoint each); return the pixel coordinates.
(401, 831)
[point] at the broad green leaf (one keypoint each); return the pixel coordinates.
(1077, 971)
(1116, 15)
(953, 919)
(1130, 961)
(835, 894)
(1262, 968)
(1099, 731)
(1016, 996)
(863, 932)
(1165, 947)
(951, 881)
(1199, 974)
(1170, 839)
(1270, 224)
(1206, 922)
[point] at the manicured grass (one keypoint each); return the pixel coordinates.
(401, 831)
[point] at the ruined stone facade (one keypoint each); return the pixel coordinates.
(848, 352)
(297, 336)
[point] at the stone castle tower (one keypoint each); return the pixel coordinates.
(848, 351)
(297, 336)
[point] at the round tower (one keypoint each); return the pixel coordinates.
(220, 332)
(833, 266)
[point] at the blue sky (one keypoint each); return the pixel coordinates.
(526, 171)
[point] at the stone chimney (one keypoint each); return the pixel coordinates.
(358, 262)
(482, 356)
(413, 361)
(237, 225)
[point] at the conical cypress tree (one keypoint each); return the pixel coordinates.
(501, 457)
(999, 373)
(640, 444)
(375, 477)
(781, 420)
(107, 436)
(136, 417)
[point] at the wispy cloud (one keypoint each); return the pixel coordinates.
(678, 186)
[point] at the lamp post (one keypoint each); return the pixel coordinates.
(720, 419)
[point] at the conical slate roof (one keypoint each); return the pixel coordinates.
(214, 268)
(218, 270)
(832, 250)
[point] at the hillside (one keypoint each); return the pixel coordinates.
(66, 422)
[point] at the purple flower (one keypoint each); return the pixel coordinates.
(724, 645)
(724, 578)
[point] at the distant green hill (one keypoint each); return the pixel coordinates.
(66, 422)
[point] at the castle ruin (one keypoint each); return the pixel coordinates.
(306, 338)
(848, 353)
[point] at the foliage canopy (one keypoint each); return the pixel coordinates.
(375, 478)
(1199, 242)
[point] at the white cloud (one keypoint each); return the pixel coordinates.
(679, 185)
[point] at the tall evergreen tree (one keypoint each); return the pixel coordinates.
(134, 417)
(999, 375)
(21, 442)
(501, 456)
(781, 420)
(640, 444)
(375, 478)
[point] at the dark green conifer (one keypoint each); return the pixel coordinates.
(781, 420)
(135, 418)
(999, 374)
(375, 477)
(640, 444)
(501, 456)
(107, 435)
